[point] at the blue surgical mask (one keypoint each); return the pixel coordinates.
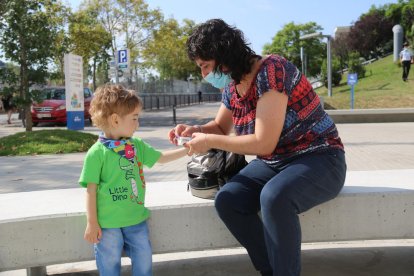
(218, 80)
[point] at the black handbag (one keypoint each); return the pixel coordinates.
(209, 171)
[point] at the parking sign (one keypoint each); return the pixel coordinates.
(123, 56)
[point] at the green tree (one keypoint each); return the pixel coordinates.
(341, 49)
(336, 72)
(61, 46)
(402, 13)
(355, 65)
(287, 43)
(2, 7)
(102, 71)
(371, 33)
(26, 33)
(130, 23)
(59, 15)
(166, 52)
(90, 39)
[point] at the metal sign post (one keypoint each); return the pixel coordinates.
(352, 96)
(352, 80)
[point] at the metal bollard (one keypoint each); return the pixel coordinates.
(174, 115)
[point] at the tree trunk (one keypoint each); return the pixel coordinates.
(136, 79)
(62, 72)
(24, 86)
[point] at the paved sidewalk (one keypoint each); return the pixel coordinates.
(379, 147)
(375, 146)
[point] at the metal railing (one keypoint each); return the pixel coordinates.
(163, 101)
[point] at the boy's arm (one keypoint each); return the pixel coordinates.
(93, 231)
(171, 155)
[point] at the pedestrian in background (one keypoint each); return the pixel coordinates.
(9, 106)
(406, 58)
(200, 96)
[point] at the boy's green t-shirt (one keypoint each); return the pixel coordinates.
(121, 184)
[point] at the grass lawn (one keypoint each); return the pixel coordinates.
(381, 88)
(46, 142)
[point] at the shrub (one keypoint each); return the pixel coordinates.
(336, 72)
(355, 66)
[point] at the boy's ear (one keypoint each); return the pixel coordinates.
(113, 120)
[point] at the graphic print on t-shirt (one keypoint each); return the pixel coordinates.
(128, 168)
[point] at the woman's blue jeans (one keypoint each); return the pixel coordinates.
(134, 240)
(273, 241)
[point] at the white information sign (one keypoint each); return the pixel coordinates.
(74, 83)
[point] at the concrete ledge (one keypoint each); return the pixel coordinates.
(372, 115)
(373, 205)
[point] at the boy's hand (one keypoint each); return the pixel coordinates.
(181, 130)
(93, 233)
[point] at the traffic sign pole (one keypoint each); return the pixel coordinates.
(352, 80)
(352, 96)
(116, 67)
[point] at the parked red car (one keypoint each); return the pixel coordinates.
(52, 108)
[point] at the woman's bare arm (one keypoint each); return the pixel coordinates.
(270, 117)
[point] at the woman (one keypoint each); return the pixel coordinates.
(278, 117)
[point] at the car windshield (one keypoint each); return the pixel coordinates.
(53, 94)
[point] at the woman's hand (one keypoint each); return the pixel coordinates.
(198, 143)
(93, 233)
(181, 130)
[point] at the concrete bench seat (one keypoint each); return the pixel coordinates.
(46, 227)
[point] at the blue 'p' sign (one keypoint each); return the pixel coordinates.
(122, 56)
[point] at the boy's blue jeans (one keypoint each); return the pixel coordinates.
(134, 240)
(273, 241)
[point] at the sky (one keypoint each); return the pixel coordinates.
(260, 20)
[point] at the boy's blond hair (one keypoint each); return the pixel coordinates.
(109, 99)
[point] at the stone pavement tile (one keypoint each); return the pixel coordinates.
(375, 146)
(378, 146)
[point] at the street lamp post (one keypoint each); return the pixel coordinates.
(328, 56)
(329, 69)
(302, 59)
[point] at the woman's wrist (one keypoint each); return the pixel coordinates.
(199, 129)
(205, 140)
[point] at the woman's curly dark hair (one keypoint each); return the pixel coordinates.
(216, 40)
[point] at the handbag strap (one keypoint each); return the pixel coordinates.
(223, 169)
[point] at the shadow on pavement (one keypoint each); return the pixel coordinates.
(359, 261)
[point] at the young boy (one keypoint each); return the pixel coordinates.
(114, 178)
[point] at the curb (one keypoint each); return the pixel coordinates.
(345, 116)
